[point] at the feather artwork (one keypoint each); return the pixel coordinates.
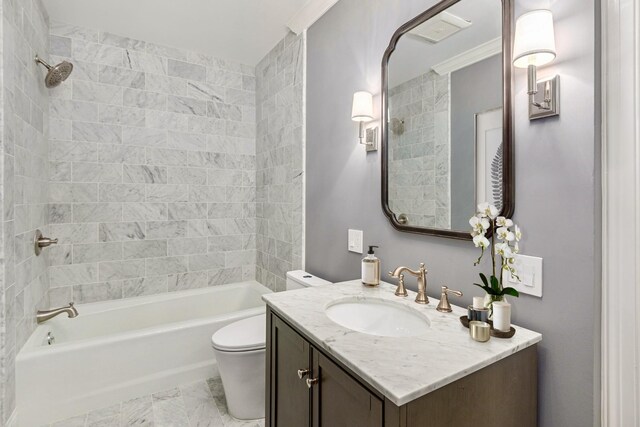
(496, 178)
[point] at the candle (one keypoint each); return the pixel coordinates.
(502, 316)
(478, 303)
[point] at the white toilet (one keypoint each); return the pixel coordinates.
(240, 352)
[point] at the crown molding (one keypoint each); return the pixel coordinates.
(471, 56)
(310, 13)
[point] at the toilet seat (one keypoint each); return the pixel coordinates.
(244, 335)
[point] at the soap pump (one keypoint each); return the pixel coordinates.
(371, 268)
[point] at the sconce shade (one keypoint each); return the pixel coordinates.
(362, 110)
(534, 42)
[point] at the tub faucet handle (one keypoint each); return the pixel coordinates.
(42, 242)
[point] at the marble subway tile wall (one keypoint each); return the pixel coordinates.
(419, 179)
(279, 153)
(153, 169)
(25, 111)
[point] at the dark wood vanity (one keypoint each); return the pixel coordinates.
(307, 387)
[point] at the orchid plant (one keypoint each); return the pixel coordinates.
(507, 235)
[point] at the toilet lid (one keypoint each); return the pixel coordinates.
(243, 335)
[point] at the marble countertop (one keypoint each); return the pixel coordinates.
(401, 368)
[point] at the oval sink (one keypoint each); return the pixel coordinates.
(377, 317)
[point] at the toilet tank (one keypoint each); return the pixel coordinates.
(299, 279)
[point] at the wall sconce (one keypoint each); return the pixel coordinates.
(533, 47)
(362, 111)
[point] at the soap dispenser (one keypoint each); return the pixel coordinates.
(371, 269)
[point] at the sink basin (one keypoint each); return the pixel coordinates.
(377, 317)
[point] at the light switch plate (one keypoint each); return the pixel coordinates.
(529, 269)
(355, 241)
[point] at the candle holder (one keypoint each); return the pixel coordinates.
(494, 332)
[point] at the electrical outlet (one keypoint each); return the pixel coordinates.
(529, 270)
(355, 241)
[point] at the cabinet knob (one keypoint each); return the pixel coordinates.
(311, 382)
(302, 373)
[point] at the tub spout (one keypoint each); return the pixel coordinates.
(44, 315)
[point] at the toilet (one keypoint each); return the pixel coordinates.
(240, 352)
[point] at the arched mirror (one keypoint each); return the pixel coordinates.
(447, 140)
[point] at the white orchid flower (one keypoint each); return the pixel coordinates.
(504, 250)
(503, 233)
(503, 222)
(518, 233)
(480, 241)
(488, 210)
(507, 253)
(479, 225)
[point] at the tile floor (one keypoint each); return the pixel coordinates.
(200, 404)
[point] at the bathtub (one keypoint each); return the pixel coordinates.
(119, 350)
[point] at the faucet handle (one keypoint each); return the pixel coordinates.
(443, 305)
(401, 291)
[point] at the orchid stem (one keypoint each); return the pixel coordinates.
(493, 246)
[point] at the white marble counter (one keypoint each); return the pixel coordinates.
(402, 369)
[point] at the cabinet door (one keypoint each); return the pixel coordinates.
(288, 397)
(339, 400)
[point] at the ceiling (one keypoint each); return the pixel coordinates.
(241, 30)
(414, 57)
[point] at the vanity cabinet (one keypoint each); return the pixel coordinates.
(307, 387)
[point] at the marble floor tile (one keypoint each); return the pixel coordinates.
(198, 404)
(169, 410)
(105, 422)
(79, 421)
(137, 412)
(104, 416)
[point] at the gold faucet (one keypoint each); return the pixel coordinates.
(421, 274)
(444, 305)
(44, 315)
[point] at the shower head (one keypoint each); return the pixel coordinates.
(56, 74)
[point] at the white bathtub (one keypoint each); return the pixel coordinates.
(118, 350)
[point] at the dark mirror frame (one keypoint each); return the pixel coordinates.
(507, 120)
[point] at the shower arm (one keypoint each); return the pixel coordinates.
(41, 61)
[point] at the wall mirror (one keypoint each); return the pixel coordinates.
(446, 117)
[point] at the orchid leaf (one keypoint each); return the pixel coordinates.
(487, 289)
(495, 284)
(510, 291)
(484, 280)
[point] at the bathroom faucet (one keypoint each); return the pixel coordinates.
(421, 274)
(44, 315)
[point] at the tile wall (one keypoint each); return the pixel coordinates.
(280, 154)
(419, 184)
(25, 28)
(153, 169)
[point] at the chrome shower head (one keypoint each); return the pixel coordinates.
(56, 74)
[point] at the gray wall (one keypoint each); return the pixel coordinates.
(556, 176)
(474, 89)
